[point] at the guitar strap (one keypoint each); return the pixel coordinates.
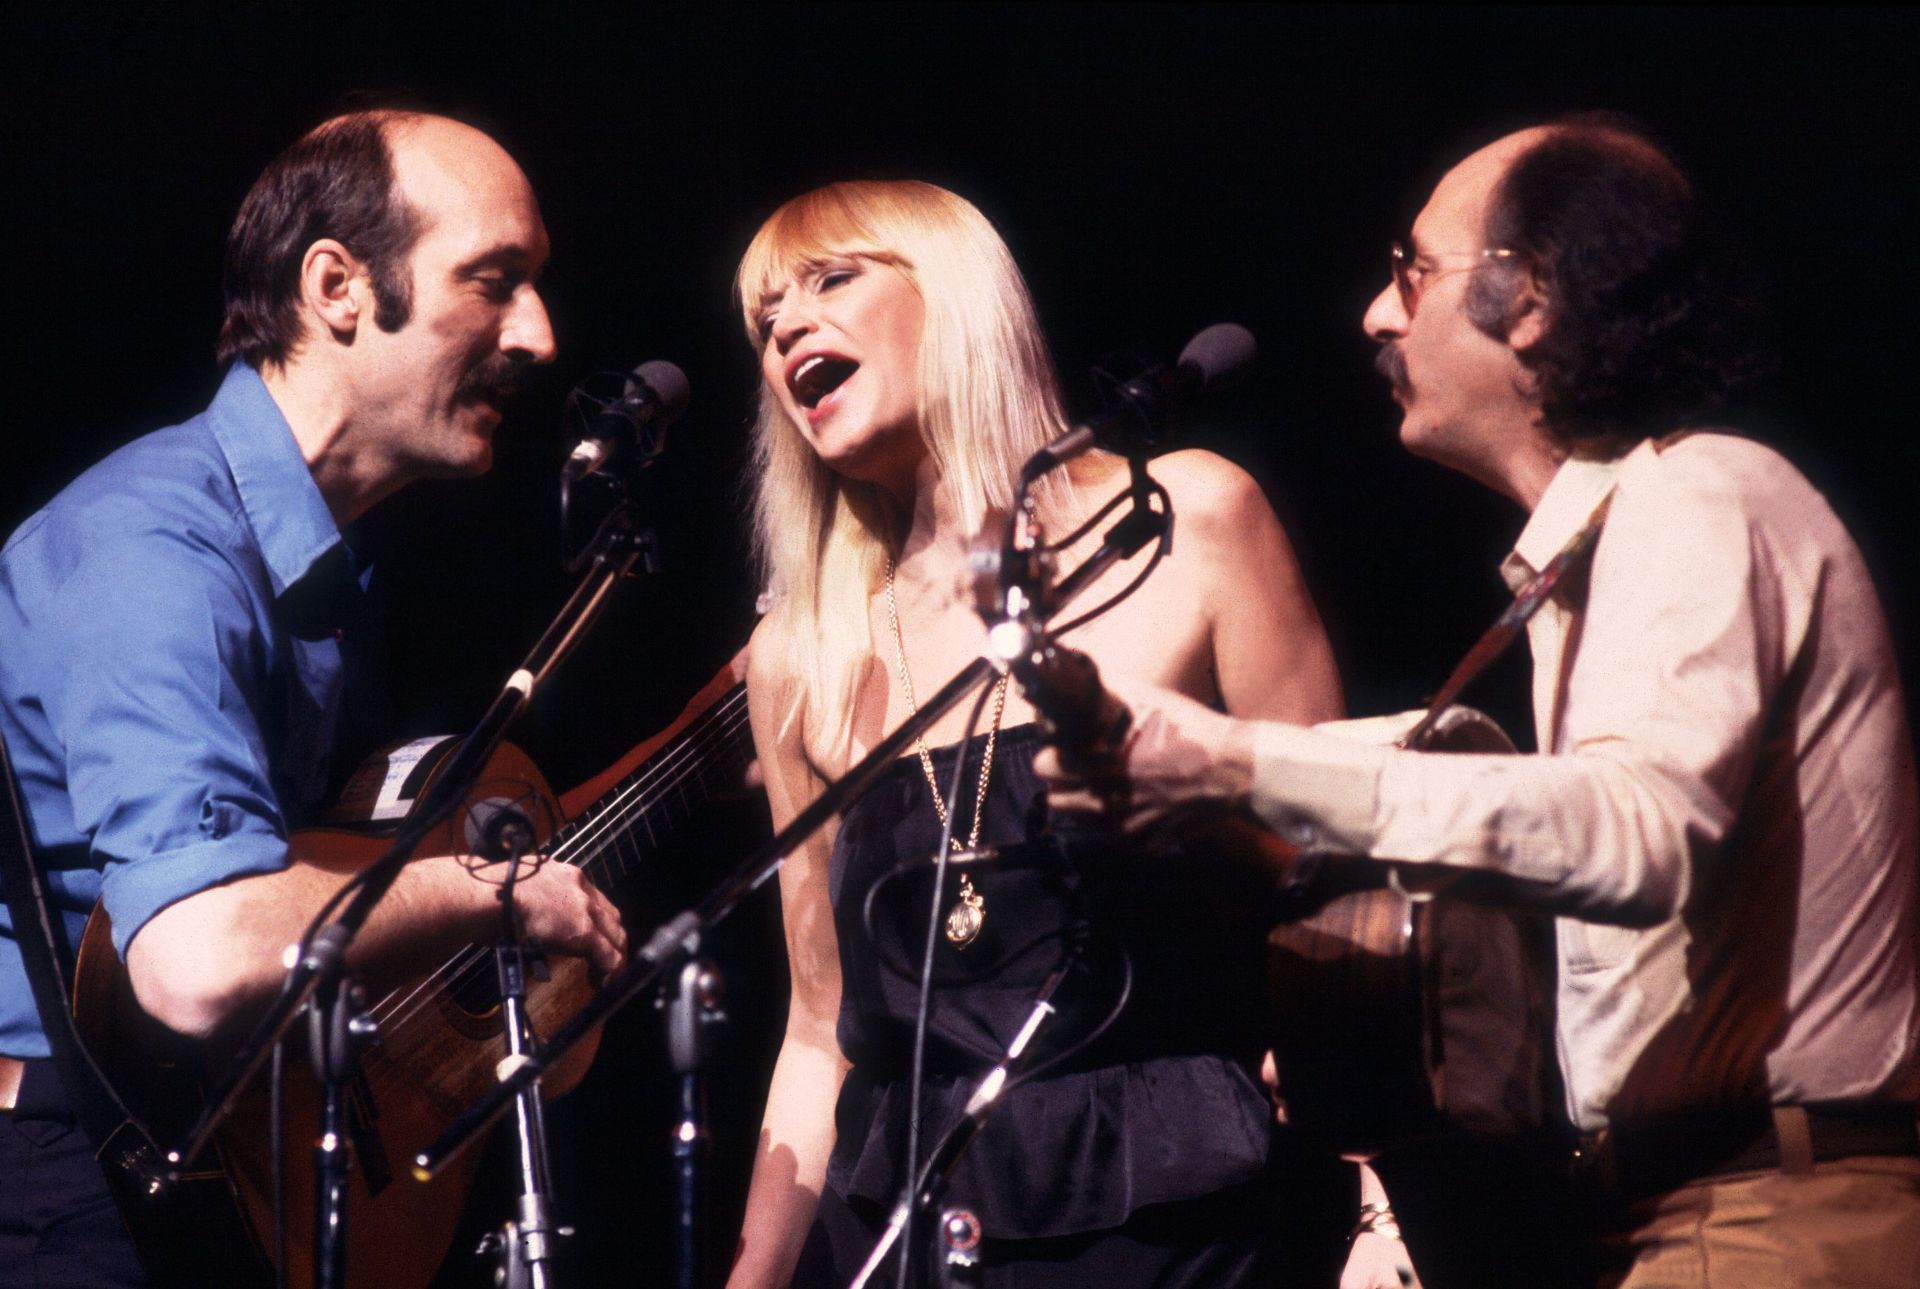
(121, 1142)
(1568, 561)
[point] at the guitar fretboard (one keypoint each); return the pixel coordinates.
(613, 836)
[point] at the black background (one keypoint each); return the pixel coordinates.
(1154, 168)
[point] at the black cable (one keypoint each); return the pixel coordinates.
(1111, 504)
(1092, 1036)
(574, 414)
(869, 917)
(277, 1151)
(924, 1004)
(924, 1177)
(1152, 488)
(276, 1130)
(1160, 550)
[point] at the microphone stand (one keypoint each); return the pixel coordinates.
(1012, 594)
(677, 941)
(924, 1190)
(524, 1243)
(319, 972)
(335, 1030)
(693, 1015)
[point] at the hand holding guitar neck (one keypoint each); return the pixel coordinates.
(1077, 714)
(1147, 761)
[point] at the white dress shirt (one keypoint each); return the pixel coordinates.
(1724, 813)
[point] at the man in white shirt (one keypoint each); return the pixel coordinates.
(1723, 816)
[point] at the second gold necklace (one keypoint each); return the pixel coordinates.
(969, 913)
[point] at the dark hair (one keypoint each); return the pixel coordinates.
(1650, 323)
(337, 181)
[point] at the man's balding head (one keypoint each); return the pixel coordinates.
(1647, 326)
(337, 181)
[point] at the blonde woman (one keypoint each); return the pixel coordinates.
(904, 381)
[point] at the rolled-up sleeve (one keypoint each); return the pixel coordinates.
(167, 766)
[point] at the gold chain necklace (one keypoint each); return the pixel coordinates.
(969, 912)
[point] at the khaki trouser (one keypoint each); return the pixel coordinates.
(1847, 1224)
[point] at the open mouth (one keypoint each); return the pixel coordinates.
(818, 377)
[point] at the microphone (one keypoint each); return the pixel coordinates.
(1132, 424)
(634, 424)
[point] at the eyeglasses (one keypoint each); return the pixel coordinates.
(1411, 273)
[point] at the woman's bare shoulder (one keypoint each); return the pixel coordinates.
(774, 684)
(1206, 486)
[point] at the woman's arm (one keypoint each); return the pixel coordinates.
(796, 1133)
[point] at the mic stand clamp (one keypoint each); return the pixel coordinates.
(525, 1243)
(337, 1028)
(694, 1018)
(960, 1248)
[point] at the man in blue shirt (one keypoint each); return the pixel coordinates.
(172, 671)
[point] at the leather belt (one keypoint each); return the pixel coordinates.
(1633, 1161)
(11, 1070)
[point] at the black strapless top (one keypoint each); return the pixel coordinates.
(1164, 1106)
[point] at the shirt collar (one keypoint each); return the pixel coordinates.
(283, 505)
(1575, 491)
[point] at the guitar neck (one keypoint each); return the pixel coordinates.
(702, 758)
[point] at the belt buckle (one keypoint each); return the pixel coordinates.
(13, 1072)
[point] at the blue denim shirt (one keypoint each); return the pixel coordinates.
(169, 678)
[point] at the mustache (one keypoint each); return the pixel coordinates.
(1392, 364)
(497, 379)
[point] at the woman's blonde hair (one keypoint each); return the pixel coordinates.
(988, 400)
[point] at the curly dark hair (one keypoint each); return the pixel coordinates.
(1651, 324)
(336, 181)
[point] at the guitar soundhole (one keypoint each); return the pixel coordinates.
(475, 988)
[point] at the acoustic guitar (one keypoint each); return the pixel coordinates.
(1395, 1016)
(439, 1036)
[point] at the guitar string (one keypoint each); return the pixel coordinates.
(401, 1010)
(691, 758)
(601, 822)
(640, 793)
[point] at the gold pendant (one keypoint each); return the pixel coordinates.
(967, 915)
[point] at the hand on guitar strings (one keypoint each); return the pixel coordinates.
(557, 907)
(561, 911)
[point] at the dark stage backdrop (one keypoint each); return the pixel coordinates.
(1155, 169)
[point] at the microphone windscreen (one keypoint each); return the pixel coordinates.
(1221, 353)
(669, 386)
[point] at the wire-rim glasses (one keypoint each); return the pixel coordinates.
(1411, 273)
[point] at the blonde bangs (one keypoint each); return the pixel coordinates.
(813, 228)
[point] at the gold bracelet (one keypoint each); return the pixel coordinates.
(1377, 1218)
